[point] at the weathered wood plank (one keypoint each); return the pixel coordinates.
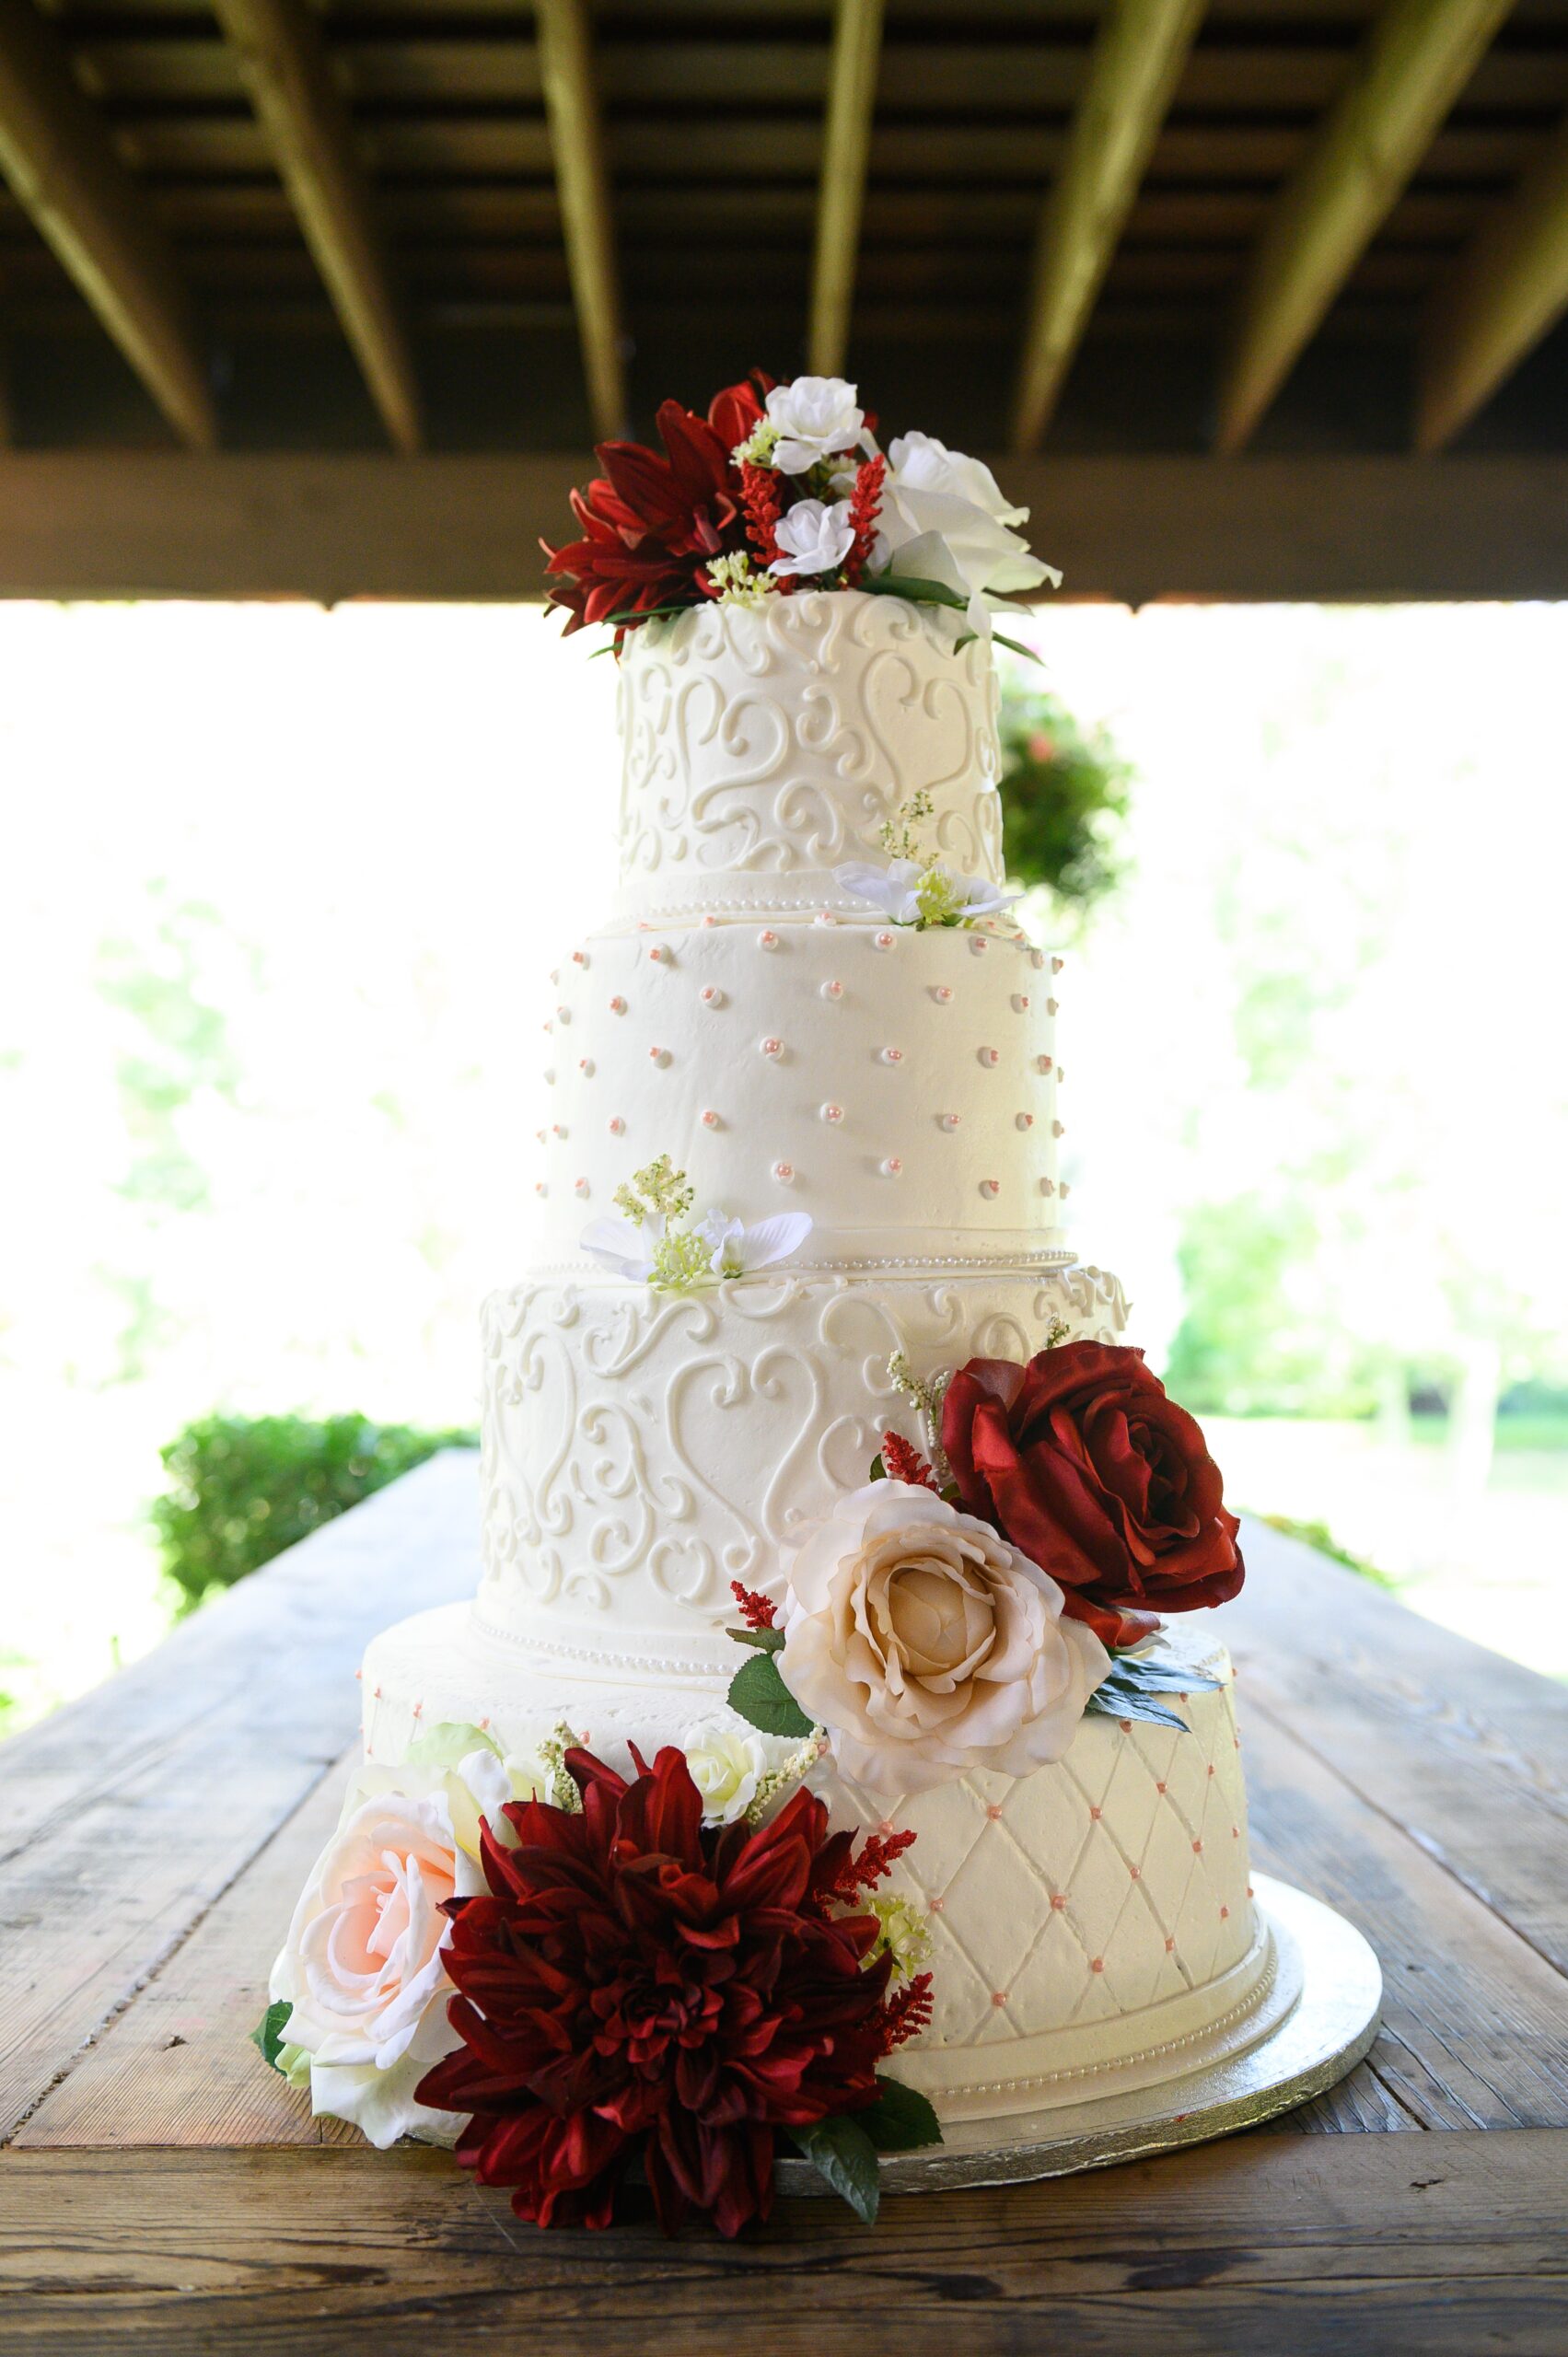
(1135, 528)
(176, 2065)
(1262, 2244)
(1475, 2023)
(114, 1848)
(1467, 1751)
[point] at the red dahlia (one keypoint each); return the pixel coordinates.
(639, 1984)
(650, 523)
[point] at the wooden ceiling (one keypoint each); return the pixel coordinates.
(1140, 231)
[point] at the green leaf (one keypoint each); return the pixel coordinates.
(1108, 1702)
(267, 2037)
(767, 1641)
(841, 2152)
(901, 2119)
(878, 1470)
(1151, 1677)
(919, 591)
(760, 1696)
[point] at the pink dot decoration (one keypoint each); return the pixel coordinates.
(563, 1014)
(538, 1187)
(999, 1996)
(1097, 1964)
(1059, 1899)
(784, 1173)
(942, 995)
(1020, 1003)
(991, 1187)
(710, 1121)
(1097, 1814)
(883, 940)
(1159, 1788)
(658, 953)
(1170, 1947)
(578, 959)
(580, 1187)
(709, 920)
(832, 990)
(990, 1058)
(1025, 1120)
(710, 995)
(891, 1167)
(892, 1055)
(618, 1005)
(994, 1810)
(585, 1065)
(949, 1120)
(935, 1906)
(1197, 1848)
(1057, 964)
(1136, 1872)
(658, 1055)
(1224, 1912)
(773, 1048)
(977, 945)
(832, 1113)
(616, 1125)
(1042, 1063)
(766, 940)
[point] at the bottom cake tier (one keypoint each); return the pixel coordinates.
(1091, 1925)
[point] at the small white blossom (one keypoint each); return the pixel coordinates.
(738, 1251)
(814, 539)
(726, 1765)
(814, 418)
(911, 892)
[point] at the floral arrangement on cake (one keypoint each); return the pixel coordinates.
(781, 487)
(571, 1975)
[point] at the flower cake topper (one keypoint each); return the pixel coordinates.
(781, 487)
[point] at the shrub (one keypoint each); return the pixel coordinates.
(243, 1488)
(1064, 794)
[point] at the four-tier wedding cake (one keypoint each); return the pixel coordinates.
(818, 1493)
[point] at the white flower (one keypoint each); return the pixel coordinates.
(738, 1250)
(944, 518)
(926, 1645)
(362, 1967)
(629, 1250)
(815, 539)
(814, 417)
(727, 1764)
(911, 893)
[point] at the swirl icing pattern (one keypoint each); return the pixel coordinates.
(761, 746)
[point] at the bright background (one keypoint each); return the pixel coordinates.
(280, 891)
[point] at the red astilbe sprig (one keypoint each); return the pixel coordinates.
(865, 507)
(904, 1463)
(760, 500)
(854, 1871)
(907, 2012)
(757, 1611)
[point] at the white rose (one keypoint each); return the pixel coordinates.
(362, 1967)
(815, 417)
(944, 518)
(814, 539)
(727, 1764)
(927, 1646)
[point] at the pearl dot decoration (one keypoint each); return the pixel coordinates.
(990, 1057)
(617, 1126)
(1042, 1063)
(618, 1005)
(892, 1055)
(766, 940)
(659, 1056)
(991, 1188)
(711, 995)
(1064, 1191)
(660, 955)
(580, 1187)
(977, 945)
(1050, 1006)
(549, 1076)
(1059, 1128)
(832, 990)
(563, 1014)
(579, 958)
(949, 1121)
(824, 916)
(773, 1048)
(891, 1167)
(1037, 959)
(1025, 1120)
(585, 1066)
(1061, 1072)
(558, 1129)
(942, 994)
(832, 1114)
(883, 940)
(710, 1119)
(1057, 964)
(784, 1173)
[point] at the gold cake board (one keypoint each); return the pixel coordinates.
(1325, 2034)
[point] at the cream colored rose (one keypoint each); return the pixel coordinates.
(727, 1764)
(361, 1966)
(926, 1645)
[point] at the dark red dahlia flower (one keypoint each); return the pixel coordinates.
(638, 1984)
(651, 523)
(1082, 1460)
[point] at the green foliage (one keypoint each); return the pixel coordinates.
(760, 1697)
(1064, 795)
(267, 2037)
(1317, 1536)
(1258, 1338)
(243, 1488)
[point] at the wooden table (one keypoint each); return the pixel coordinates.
(160, 2190)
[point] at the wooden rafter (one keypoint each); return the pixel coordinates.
(1133, 70)
(1505, 290)
(284, 62)
(582, 179)
(90, 524)
(846, 148)
(1417, 58)
(56, 154)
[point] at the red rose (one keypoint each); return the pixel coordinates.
(1082, 1461)
(638, 1984)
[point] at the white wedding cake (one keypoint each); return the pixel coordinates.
(861, 1088)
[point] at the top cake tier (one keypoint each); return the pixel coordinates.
(765, 744)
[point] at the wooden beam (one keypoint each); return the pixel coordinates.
(582, 179)
(56, 154)
(286, 68)
(1503, 292)
(1417, 58)
(846, 149)
(99, 525)
(1135, 67)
